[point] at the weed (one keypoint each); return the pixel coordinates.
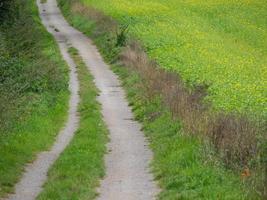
(237, 138)
(76, 174)
(218, 43)
(121, 36)
(33, 90)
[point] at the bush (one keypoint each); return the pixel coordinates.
(27, 74)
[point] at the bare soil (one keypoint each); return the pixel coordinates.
(127, 161)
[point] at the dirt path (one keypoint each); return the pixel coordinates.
(36, 173)
(127, 163)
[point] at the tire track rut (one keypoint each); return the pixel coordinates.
(127, 162)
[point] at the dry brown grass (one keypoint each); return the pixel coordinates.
(237, 139)
(234, 136)
(106, 23)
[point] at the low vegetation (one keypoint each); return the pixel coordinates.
(76, 174)
(195, 76)
(185, 165)
(33, 89)
(237, 139)
(221, 43)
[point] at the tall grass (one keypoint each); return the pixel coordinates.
(240, 141)
(33, 89)
(218, 42)
(76, 174)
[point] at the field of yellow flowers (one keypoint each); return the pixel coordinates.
(222, 43)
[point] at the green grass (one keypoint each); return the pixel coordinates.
(34, 92)
(76, 174)
(185, 166)
(218, 42)
(28, 138)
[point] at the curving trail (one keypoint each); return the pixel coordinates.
(35, 173)
(127, 163)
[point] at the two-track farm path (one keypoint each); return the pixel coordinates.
(127, 163)
(35, 173)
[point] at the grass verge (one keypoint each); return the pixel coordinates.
(76, 174)
(195, 172)
(184, 165)
(33, 88)
(216, 42)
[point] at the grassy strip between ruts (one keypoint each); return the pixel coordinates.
(76, 174)
(185, 165)
(35, 78)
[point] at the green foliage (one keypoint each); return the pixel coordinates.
(218, 42)
(185, 166)
(27, 65)
(121, 36)
(33, 90)
(7, 10)
(76, 173)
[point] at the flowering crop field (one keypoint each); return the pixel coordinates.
(222, 43)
